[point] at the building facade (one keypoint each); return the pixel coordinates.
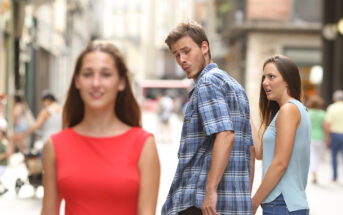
(257, 29)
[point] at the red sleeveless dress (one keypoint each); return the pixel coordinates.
(99, 175)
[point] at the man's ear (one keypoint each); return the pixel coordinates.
(204, 48)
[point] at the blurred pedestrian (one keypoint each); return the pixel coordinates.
(49, 119)
(103, 162)
(4, 154)
(317, 116)
(285, 143)
(20, 122)
(212, 175)
(166, 107)
(3, 101)
(333, 125)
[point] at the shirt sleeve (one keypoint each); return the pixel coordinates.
(328, 116)
(214, 111)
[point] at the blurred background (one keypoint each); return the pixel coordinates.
(41, 39)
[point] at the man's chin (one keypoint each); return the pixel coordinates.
(189, 76)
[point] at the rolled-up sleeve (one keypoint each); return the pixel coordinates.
(214, 111)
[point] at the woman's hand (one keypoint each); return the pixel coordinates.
(255, 205)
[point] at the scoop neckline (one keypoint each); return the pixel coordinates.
(103, 137)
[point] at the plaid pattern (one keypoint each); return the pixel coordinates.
(217, 103)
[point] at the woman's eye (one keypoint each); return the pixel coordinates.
(106, 74)
(86, 74)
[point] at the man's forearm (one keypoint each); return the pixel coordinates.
(220, 156)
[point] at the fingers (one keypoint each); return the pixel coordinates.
(209, 211)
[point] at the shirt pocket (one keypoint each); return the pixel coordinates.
(188, 115)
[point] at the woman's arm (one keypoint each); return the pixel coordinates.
(286, 126)
(252, 166)
(257, 141)
(149, 169)
(51, 201)
(15, 113)
(42, 117)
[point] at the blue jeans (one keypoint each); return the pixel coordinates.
(335, 145)
(278, 207)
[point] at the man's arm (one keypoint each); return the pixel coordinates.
(326, 126)
(220, 156)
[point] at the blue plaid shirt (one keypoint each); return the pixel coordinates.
(217, 103)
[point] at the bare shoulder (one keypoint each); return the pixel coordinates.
(288, 113)
(289, 108)
(149, 154)
(150, 143)
(49, 149)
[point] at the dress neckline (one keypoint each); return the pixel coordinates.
(102, 137)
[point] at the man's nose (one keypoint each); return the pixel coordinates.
(182, 58)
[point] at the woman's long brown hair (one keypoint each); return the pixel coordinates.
(126, 108)
(290, 74)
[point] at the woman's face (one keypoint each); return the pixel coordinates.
(98, 81)
(273, 84)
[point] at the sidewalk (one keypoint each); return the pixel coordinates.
(27, 201)
(325, 198)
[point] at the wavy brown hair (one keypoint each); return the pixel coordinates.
(126, 108)
(192, 29)
(290, 74)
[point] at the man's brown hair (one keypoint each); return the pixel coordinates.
(191, 29)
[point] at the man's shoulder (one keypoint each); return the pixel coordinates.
(215, 75)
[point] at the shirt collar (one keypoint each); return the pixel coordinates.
(206, 69)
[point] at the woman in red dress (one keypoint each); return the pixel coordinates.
(102, 162)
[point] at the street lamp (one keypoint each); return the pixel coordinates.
(331, 30)
(316, 75)
(340, 26)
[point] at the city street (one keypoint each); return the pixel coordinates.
(324, 198)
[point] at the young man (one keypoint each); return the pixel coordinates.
(212, 176)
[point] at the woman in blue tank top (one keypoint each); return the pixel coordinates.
(285, 143)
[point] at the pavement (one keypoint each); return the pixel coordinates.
(325, 198)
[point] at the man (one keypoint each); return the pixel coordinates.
(333, 127)
(212, 176)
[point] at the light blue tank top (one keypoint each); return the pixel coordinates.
(293, 183)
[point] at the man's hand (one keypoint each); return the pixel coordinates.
(209, 204)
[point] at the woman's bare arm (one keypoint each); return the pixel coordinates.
(149, 169)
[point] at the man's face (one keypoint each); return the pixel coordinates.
(192, 58)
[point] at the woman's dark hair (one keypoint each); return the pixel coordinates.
(315, 101)
(18, 99)
(126, 108)
(290, 74)
(49, 96)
